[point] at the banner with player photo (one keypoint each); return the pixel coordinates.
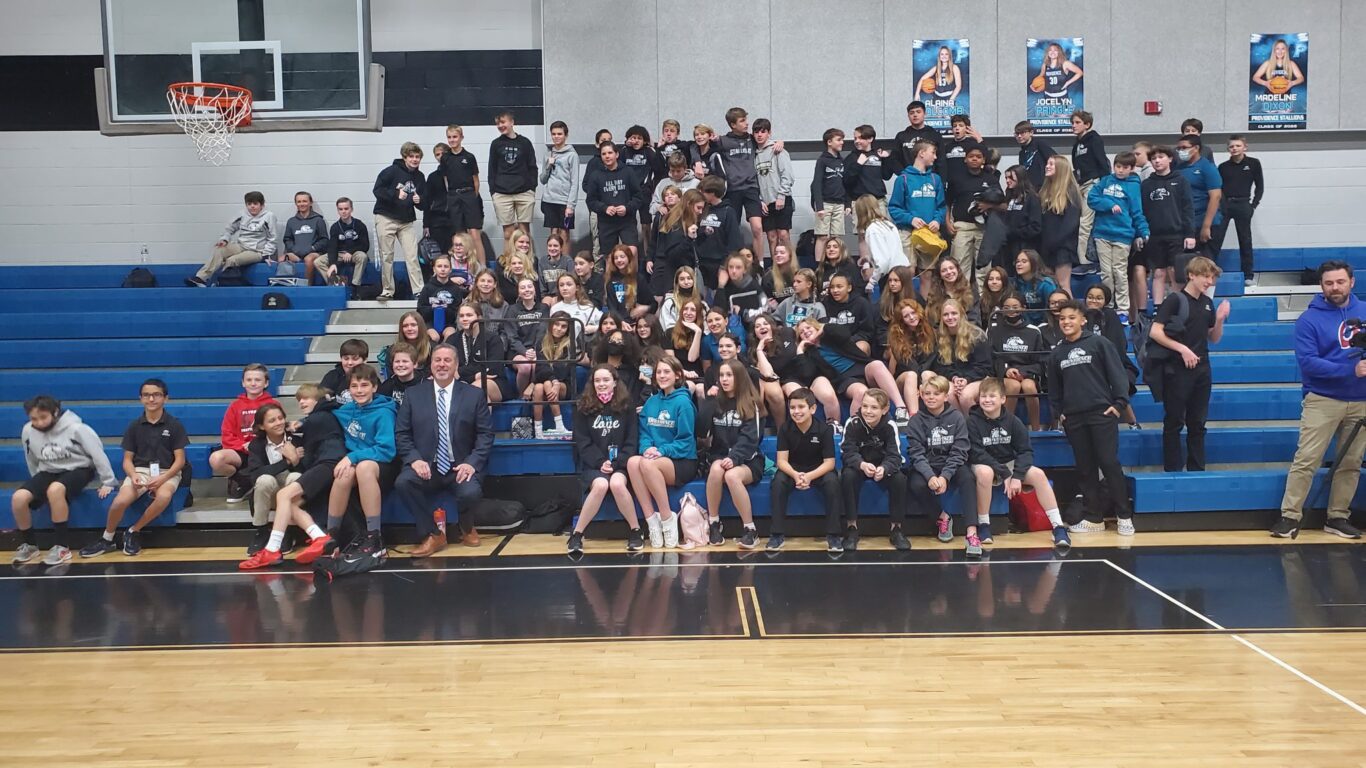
(1278, 90)
(942, 79)
(1054, 85)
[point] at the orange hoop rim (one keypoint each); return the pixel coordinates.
(232, 97)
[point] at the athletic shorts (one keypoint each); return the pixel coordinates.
(746, 200)
(755, 466)
(75, 481)
(587, 476)
(779, 218)
(617, 229)
(833, 221)
(316, 481)
(685, 471)
(1162, 252)
(553, 215)
(466, 211)
(848, 379)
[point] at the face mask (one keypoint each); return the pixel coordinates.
(615, 348)
(1184, 155)
(605, 397)
(1013, 318)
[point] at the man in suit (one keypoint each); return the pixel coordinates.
(444, 434)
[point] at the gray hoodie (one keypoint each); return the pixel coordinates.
(305, 236)
(255, 233)
(793, 310)
(775, 173)
(686, 183)
(558, 181)
(69, 445)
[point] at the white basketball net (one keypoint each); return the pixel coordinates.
(210, 115)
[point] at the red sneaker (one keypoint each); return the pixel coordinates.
(262, 559)
(314, 550)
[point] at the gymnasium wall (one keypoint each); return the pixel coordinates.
(76, 196)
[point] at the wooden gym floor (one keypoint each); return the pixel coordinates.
(1182, 649)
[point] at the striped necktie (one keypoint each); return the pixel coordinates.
(443, 433)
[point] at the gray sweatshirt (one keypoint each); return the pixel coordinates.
(69, 445)
(688, 182)
(559, 181)
(738, 152)
(775, 173)
(793, 310)
(255, 233)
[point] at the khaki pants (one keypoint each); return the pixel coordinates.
(1321, 419)
(388, 231)
(1114, 270)
(230, 255)
(358, 259)
(967, 241)
(1088, 220)
(263, 495)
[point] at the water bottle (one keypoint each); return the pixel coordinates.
(611, 453)
(439, 516)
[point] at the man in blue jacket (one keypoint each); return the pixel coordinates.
(918, 199)
(1334, 376)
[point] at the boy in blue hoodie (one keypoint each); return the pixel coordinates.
(368, 424)
(1117, 200)
(918, 200)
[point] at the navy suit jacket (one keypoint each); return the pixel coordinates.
(470, 419)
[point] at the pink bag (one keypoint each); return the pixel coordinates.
(692, 523)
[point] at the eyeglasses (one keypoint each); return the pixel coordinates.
(153, 395)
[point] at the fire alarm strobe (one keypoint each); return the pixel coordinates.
(1152, 107)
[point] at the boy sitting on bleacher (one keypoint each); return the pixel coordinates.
(237, 430)
(353, 352)
(153, 458)
(63, 455)
(871, 450)
(937, 444)
(249, 239)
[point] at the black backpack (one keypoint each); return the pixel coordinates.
(345, 563)
(497, 514)
(140, 277)
(550, 516)
(275, 300)
(806, 249)
(232, 277)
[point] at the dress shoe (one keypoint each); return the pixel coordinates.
(471, 538)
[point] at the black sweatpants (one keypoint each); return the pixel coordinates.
(851, 479)
(1185, 403)
(1237, 211)
(963, 481)
(781, 488)
(1094, 437)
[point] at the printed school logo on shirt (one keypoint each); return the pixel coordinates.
(843, 317)
(940, 436)
(833, 172)
(926, 190)
(797, 315)
(663, 420)
(442, 298)
(1077, 356)
(710, 223)
(306, 229)
(355, 430)
(640, 159)
(1115, 190)
(998, 436)
(1159, 194)
(408, 187)
(956, 151)
(727, 419)
(348, 235)
(510, 153)
(1015, 205)
(1014, 344)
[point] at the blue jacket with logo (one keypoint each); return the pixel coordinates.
(1127, 193)
(916, 194)
(369, 430)
(1327, 361)
(667, 423)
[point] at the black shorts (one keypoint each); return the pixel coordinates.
(587, 476)
(75, 481)
(553, 214)
(685, 471)
(617, 229)
(466, 211)
(316, 481)
(1161, 252)
(755, 466)
(1065, 256)
(779, 218)
(748, 201)
(848, 379)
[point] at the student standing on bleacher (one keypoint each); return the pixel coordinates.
(249, 239)
(1334, 376)
(63, 455)
(153, 458)
(399, 190)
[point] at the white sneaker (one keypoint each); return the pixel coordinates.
(1086, 526)
(670, 531)
(57, 555)
(656, 532)
(1126, 527)
(540, 431)
(25, 553)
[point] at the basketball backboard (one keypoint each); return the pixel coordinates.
(307, 64)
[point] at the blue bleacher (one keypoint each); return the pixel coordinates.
(110, 419)
(1288, 259)
(167, 299)
(160, 325)
(128, 353)
(13, 468)
(90, 511)
(184, 383)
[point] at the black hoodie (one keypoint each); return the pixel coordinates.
(640, 167)
(473, 355)
(1086, 376)
(348, 237)
(512, 165)
(746, 294)
(437, 294)
(732, 437)
(876, 444)
(827, 183)
(1018, 346)
(1167, 205)
(869, 177)
(605, 188)
(596, 433)
(854, 312)
(938, 445)
(975, 368)
(904, 151)
(718, 234)
(386, 192)
(323, 439)
(999, 441)
(1088, 158)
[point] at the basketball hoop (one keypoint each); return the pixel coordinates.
(210, 113)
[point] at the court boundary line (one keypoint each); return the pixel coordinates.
(1242, 640)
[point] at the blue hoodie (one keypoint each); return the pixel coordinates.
(666, 423)
(1327, 362)
(1129, 223)
(369, 430)
(916, 194)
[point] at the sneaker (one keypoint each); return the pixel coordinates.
(974, 548)
(1125, 526)
(195, 281)
(656, 532)
(259, 541)
(1135, 425)
(575, 542)
(1123, 317)
(132, 542)
(775, 542)
(836, 426)
(834, 543)
(57, 555)
(1339, 526)
(384, 297)
(373, 543)
(749, 539)
(237, 489)
(984, 533)
(1248, 282)
(1086, 526)
(670, 531)
(902, 417)
(945, 529)
(634, 541)
(1285, 528)
(24, 554)
(899, 540)
(714, 533)
(314, 550)
(851, 539)
(98, 547)
(1061, 541)
(261, 559)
